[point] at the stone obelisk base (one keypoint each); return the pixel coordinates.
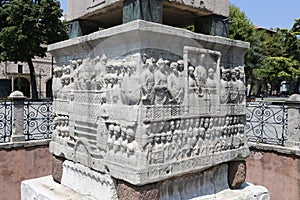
(80, 182)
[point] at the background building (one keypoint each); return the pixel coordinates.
(15, 76)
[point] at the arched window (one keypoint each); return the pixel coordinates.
(5, 88)
(49, 89)
(23, 85)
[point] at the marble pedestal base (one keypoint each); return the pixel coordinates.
(79, 182)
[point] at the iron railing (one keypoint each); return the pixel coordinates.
(5, 120)
(266, 123)
(38, 118)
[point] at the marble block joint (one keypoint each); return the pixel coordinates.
(145, 102)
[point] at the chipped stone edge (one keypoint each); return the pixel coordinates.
(275, 148)
(25, 144)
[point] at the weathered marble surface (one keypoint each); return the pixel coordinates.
(88, 184)
(144, 102)
(45, 188)
(293, 140)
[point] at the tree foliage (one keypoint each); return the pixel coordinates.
(240, 26)
(274, 55)
(281, 57)
(27, 26)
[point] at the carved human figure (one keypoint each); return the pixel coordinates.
(174, 148)
(206, 123)
(99, 73)
(117, 139)
(158, 150)
(236, 140)
(132, 145)
(223, 142)
(56, 123)
(68, 84)
(190, 142)
(224, 87)
(172, 126)
(175, 86)
(195, 138)
(168, 147)
(161, 83)
(177, 144)
(180, 66)
(193, 88)
(218, 144)
(147, 83)
(65, 126)
(116, 92)
(242, 134)
(56, 81)
(67, 70)
(200, 73)
(144, 58)
(130, 92)
(75, 73)
(86, 71)
(73, 65)
(206, 142)
(187, 138)
(210, 143)
(201, 140)
(241, 85)
(234, 87)
(149, 147)
(110, 139)
(211, 83)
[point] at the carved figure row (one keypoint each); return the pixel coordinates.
(232, 85)
(121, 140)
(197, 122)
(151, 82)
(177, 145)
(61, 126)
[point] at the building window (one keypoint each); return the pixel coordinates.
(20, 69)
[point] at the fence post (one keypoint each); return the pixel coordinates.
(18, 99)
(293, 104)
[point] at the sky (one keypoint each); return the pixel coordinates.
(263, 13)
(270, 13)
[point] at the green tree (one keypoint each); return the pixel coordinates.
(240, 26)
(26, 27)
(281, 57)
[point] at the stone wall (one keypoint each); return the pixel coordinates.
(20, 162)
(279, 172)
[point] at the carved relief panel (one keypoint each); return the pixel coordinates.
(148, 111)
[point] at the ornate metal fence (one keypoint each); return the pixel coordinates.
(38, 117)
(5, 120)
(266, 123)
